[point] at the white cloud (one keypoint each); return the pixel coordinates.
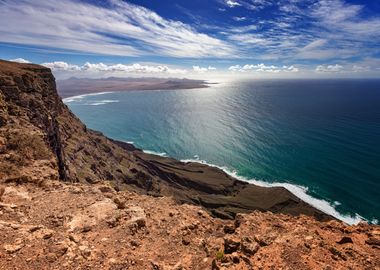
(263, 68)
(358, 69)
(20, 60)
(239, 19)
(290, 69)
(339, 17)
(61, 66)
(234, 68)
(116, 68)
(115, 28)
(329, 68)
(199, 69)
(232, 3)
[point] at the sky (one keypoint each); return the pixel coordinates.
(195, 39)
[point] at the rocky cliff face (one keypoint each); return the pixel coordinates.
(52, 218)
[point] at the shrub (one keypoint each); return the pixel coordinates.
(219, 255)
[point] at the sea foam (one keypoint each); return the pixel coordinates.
(80, 97)
(162, 154)
(101, 102)
(297, 190)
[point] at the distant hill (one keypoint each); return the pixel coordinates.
(79, 86)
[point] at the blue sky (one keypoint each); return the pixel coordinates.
(197, 38)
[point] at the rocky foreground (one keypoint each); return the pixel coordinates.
(71, 198)
(53, 225)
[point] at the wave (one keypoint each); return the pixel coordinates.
(162, 154)
(297, 190)
(130, 142)
(80, 97)
(101, 102)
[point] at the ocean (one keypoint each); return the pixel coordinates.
(318, 138)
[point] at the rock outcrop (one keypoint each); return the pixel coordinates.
(70, 198)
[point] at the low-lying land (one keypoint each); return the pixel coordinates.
(82, 86)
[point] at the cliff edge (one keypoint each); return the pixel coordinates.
(72, 198)
(38, 131)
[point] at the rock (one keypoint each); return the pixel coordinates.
(155, 266)
(185, 241)
(309, 238)
(112, 222)
(214, 265)
(35, 228)
(120, 203)
(135, 243)
(201, 213)
(47, 235)
(51, 257)
(138, 216)
(61, 249)
(75, 238)
(85, 251)
(249, 248)
(345, 240)
(262, 241)
(231, 245)
(13, 248)
(239, 218)
(86, 228)
(221, 214)
(229, 229)
(83, 221)
(178, 266)
(373, 241)
(2, 190)
(106, 189)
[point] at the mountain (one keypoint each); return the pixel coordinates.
(73, 198)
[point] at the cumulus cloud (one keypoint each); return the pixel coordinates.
(263, 68)
(249, 4)
(232, 3)
(116, 68)
(20, 60)
(114, 28)
(199, 69)
(329, 68)
(358, 69)
(61, 66)
(239, 19)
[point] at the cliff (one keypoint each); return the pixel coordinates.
(51, 218)
(32, 111)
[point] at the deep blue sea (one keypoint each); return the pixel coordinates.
(318, 138)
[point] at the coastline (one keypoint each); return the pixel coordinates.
(74, 86)
(86, 156)
(297, 190)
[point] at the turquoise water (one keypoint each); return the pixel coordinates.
(319, 138)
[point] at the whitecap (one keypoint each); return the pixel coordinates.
(101, 102)
(162, 154)
(80, 97)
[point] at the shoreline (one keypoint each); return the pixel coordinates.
(299, 191)
(71, 87)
